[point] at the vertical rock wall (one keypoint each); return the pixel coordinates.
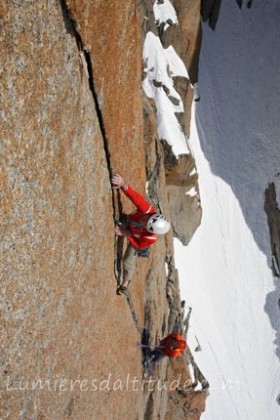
(60, 318)
(71, 113)
(110, 34)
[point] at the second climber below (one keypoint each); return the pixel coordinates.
(140, 228)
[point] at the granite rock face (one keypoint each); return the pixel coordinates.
(71, 114)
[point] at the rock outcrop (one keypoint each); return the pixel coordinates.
(210, 10)
(273, 218)
(181, 177)
(71, 113)
(271, 207)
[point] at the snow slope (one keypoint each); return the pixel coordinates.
(225, 271)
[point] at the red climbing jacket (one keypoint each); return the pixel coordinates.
(140, 238)
(169, 349)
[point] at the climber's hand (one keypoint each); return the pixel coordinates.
(119, 182)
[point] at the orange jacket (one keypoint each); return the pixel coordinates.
(140, 238)
(168, 349)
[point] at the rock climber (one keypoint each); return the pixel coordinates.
(171, 346)
(140, 228)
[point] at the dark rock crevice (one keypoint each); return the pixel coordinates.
(133, 314)
(71, 27)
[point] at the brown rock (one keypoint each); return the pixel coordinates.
(61, 317)
(110, 33)
(71, 113)
(183, 401)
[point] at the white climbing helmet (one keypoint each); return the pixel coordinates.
(158, 224)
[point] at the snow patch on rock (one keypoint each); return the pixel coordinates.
(191, 192)
(165, 14)
(162, 65)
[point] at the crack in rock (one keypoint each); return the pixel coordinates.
(85, 58)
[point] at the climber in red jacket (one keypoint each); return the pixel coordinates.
(141, 229)
(171, 346)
